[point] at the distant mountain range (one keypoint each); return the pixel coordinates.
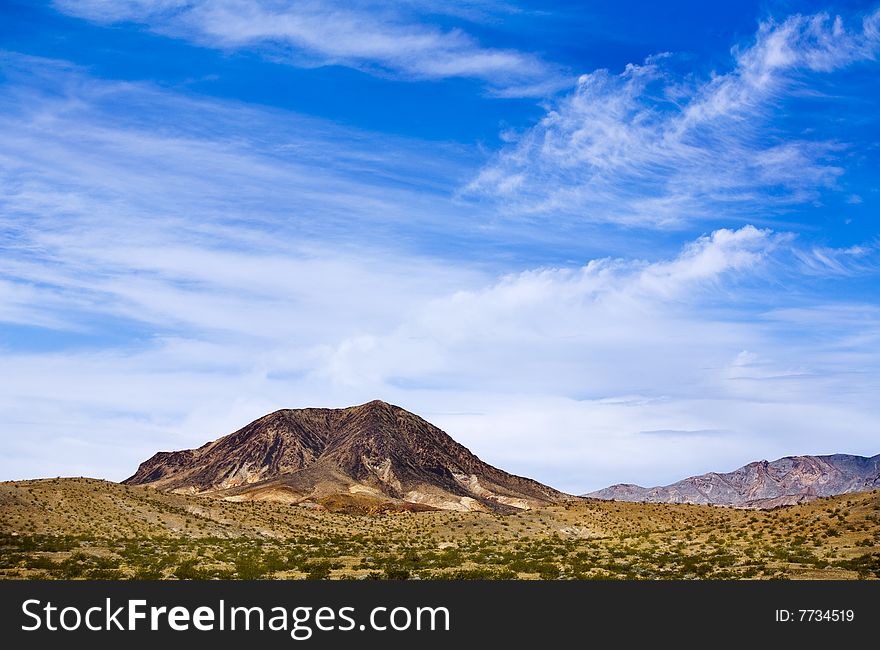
(762, 484)
(375, 456)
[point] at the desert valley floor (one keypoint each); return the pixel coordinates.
(85, 528)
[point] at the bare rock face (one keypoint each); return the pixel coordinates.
(368, 456)
(763, 484)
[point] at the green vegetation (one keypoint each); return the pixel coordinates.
(82, 529)
(548, 558)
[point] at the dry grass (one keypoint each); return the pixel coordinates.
(77, 528)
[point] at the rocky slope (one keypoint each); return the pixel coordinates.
(763, 484)
(366, 456)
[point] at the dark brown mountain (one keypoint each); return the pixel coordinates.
(375, 455)
(763, 484)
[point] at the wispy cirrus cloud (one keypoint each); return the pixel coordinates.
(652, 146)
(197, 272)
(388, 39)
(70, 140)
(112, 212)
(848, 261)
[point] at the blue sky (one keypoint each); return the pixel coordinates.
(595, 242)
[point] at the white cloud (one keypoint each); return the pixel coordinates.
(101, 158)
(611, 327)
(828, 260)
(652, 147)
(553, 372)
(382, 38)
(558, 371)
(226, 272)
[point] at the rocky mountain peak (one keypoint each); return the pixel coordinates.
(375, 450)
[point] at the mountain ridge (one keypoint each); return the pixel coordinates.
(761, 484)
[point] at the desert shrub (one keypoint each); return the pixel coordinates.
(249, 567)
(188, 570)
(273, 561)
(865, 565)
(39, 562)
(548, 571)
(148, 572)
(483, 573)
(318, 571)
(80, 565)
(396, 573)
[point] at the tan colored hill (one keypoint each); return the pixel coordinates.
(762, 484)
(375, 455)
(84, 528)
